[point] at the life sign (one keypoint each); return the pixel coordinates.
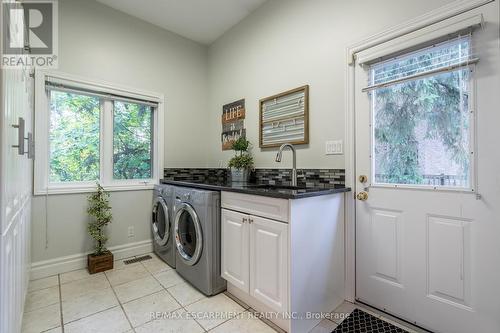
(232, 123)
(233, 111)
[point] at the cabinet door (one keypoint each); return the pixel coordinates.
(269, 262)
(234, 249)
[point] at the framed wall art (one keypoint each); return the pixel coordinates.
(284, 118)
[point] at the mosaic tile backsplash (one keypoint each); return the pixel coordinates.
(305, 177)
(196, 174)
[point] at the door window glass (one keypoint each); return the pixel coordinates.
(421, 126)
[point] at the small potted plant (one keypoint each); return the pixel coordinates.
(100, 216)
(242, 162)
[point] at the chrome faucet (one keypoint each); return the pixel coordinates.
(294, 168)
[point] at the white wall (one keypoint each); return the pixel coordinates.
(288, 43)
(67, 223)
(98, 42)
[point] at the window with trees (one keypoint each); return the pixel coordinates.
(132, 129)
(74, 137)
(95, 134)
(422, 122)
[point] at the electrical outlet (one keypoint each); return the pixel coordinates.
(334, 147)
(130, 232)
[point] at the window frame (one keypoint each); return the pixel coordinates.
(42, 185)
(471, 134)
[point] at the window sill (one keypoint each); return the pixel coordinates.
(91, 188)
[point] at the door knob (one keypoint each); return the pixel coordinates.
(363, 196)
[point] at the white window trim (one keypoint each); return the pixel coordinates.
(419, 37)
(41, 185)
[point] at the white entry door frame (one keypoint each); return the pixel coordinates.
(450, 11)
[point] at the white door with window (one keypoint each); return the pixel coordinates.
(428, 191)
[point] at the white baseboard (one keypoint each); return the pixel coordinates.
(41, 269)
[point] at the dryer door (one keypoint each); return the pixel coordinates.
(188, 234)
(160, 221)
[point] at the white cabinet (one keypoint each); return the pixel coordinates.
(255, 257)
(269, 262)
(270, 250)
(235, 250)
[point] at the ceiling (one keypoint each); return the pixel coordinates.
(200, 20)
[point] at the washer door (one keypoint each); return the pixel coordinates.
(188, 234)
(160, 221)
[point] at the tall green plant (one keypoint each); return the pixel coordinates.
(100, 214)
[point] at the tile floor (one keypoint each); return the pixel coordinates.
(144, 297)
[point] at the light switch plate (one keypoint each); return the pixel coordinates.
(335, 147)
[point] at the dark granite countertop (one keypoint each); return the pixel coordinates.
(274, 191)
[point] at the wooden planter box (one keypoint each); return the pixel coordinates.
(101, 263)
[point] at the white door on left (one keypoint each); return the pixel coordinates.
(16, 98)
(15, 197)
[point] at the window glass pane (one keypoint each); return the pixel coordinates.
(421, 131)
(132, 145)
(73, 137)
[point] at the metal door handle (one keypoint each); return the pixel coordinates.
(20, 136)
(363, 196)
(20, 126)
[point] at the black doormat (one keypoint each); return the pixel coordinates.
(361, 322)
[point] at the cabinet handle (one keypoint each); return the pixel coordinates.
(250, 220)
(244, 220)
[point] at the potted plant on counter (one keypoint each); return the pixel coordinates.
(242, 162)
(100, 216)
